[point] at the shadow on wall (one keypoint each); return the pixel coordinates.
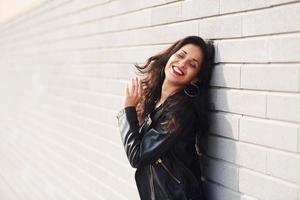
(220, 162)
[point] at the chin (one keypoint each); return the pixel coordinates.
(175, 80)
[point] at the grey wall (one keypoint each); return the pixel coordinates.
(63, 68)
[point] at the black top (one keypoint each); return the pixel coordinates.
(167, 164)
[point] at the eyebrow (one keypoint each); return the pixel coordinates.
(193, 58)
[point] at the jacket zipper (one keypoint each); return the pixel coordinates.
(152, 184)
(169, 172)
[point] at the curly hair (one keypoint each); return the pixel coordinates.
(153, 73)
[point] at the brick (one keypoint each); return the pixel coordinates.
(226, 75)
(170, 1)
(227, 6)
(251, 156)
(147, 3)
(283, 107)
(222, 148)
(116, 70)
(269, 77)
(166, 14)
(265, 187)
(225, 124)
(118, 7)
(131, 55)
(128, 21)
(269, 133)
(277, 2)
(6, 191)
(199, 8)
(298, 139)
(222, 172)
(284, 165)
(92, 13)
(85, 29)
(273, 20)
(285, 48)
(172, 32)
(242, 50)
(245, 197)
(215, 192)
(240, 102)
(217, 27)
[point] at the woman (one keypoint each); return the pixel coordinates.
(164, 116)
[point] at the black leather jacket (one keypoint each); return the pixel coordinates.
(167, 164)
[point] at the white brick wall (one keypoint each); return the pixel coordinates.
(63, 67)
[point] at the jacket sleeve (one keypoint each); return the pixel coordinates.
(144, 148)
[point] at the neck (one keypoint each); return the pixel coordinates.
(167, 90)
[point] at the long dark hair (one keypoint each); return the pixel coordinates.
(153, 72)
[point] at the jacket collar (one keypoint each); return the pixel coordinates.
(151, 117)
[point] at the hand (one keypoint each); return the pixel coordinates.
(133, 92)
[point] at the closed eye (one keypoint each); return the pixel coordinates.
(180, 56)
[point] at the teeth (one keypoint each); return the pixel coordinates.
(177, 70)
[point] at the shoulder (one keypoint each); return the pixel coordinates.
(183, 107)
(179, 115)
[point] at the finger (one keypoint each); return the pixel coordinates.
(129, 85)
(133, 86)
(136, 86)
(127, 89)
(140, 88)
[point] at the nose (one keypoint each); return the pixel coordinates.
(181, 63)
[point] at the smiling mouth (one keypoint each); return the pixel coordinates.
(177, 71)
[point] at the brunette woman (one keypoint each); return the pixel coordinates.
(164, 120)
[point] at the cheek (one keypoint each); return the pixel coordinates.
(193, 73)
(171, 59)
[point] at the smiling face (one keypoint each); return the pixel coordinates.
(183, 66)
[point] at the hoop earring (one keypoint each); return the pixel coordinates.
(192, 90)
